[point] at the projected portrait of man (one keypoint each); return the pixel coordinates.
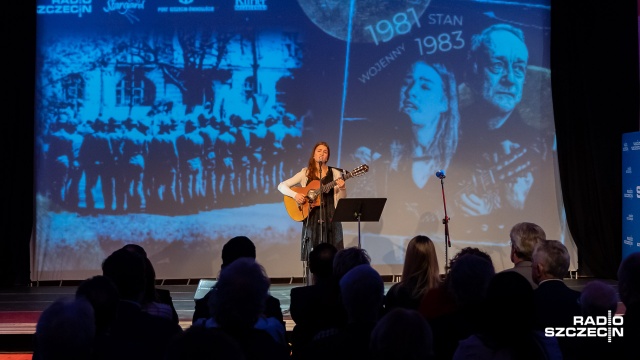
(499, 154)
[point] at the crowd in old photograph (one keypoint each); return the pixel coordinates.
(167, 166)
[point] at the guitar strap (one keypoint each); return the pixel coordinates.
(328, 179)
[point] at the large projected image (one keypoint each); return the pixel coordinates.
(170, 124)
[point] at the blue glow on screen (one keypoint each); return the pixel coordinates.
(170, 124)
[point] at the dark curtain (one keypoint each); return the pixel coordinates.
(17, 145)
(594, 67)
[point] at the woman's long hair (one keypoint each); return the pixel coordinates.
(312, 166)
(445, 140)
(447, 133)
(421, 271)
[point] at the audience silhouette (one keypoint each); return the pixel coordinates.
(103, 296)
(402, 334)
(316, 307)
(362, 293)
(500, 336)
(420, 274)
(65, 330)
(629, 290)
(134, 334)
(439, 301)
(524, 237)
(237, 302)
(345, 260)
(555, 304)
(344, 312)
(236, 248)
(198, 342)
(464, 292)
(597, 298)
(348, 258)
(155, 301)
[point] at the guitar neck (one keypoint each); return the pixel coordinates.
(328, 186)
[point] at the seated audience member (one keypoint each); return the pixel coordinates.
(316, 307)
(420, 274)
(134, 334)
(348, 258)
(507, 330)
(270, 325)
(345, 260)
(362, 293)
(402, 334)
(524, 237)
(469, 280)
(555, 304)
(65, 331)
(467, 284)
(596, 299)
(629, 290)
(103, 296)
(156, 301)
(235, 248)
(198, 342)
(440, 301)
(236, 304)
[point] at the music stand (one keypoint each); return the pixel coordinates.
(359, 209)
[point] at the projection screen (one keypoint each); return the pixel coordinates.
(170, 123)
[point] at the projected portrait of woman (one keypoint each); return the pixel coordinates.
(428, 97)
(422, 140)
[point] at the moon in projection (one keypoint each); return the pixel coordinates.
(332, 16)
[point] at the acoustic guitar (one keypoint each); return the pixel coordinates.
(299, 212)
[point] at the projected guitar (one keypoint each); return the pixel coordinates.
(299, 212)
(490, 183)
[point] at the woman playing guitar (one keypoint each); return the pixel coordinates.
(316, 190)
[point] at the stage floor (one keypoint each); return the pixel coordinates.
(20, 308)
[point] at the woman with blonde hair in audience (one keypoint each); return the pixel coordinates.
(419, 274)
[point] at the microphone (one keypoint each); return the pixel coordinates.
(440, 174)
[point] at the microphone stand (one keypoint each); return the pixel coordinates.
(440, 174)
(305, 250)
(321, 204)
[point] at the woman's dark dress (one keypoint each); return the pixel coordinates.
(311, 226)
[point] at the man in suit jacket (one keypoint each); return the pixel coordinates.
(524, 236)
(555, 304)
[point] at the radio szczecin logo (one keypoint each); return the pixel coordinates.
(591, 327)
